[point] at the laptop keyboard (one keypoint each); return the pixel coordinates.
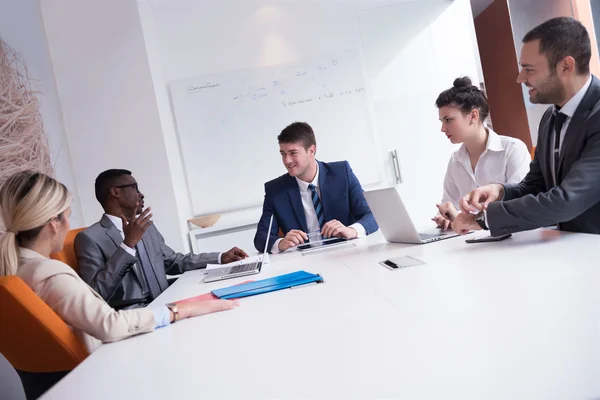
(427, 236)
(244, 267)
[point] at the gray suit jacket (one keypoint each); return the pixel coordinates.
(575, 203)
(106, 267)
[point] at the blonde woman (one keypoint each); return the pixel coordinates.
(36, 210)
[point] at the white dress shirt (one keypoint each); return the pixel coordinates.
(504, 160)
(568, 109)
(312, 222)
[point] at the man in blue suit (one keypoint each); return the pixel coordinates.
(312, 196)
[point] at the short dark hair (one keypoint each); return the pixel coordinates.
(107, 180)
(561, 37)
(466, 97)
(298, 132)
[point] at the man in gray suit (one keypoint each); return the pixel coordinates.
(563, 184)
(124, 257)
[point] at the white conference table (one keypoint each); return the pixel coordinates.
(517, 319)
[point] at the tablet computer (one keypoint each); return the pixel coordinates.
(322, 243)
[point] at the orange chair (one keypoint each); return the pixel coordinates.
(67, 254)
(34, 339)
(532, 152)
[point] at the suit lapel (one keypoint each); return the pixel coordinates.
(581, 113)
(324, 187)
(294, 195)
(111, 230)
(113, 233)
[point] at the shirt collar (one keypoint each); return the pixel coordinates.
(117, 222)
(571, 106)
(304, 185)
(493, 144)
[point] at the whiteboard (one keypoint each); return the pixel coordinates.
(227, 125)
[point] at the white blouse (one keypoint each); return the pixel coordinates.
(505, 160)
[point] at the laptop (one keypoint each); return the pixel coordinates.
(249, 266)
(395, 222)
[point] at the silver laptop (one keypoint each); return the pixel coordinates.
(395, 222)
(244, 267)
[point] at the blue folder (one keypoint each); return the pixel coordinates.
(267, 285)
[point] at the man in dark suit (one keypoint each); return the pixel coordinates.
(563, 184)
(312, 197)
(123, 256)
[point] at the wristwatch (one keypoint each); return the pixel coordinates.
(480, 219)
(175, 310)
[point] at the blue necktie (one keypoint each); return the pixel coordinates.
(317, 203)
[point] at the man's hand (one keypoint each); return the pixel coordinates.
(292, 238)
(135, 227)
(464, 223)
(442, 222)
(235, 254)
(447, 214)
(447, 210)
(335, 228)
(479, 198)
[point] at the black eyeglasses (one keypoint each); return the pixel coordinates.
(133, 185)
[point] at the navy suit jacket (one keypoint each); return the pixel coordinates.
(341, 196)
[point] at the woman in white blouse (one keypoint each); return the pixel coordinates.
(484, 157)
(36, 209)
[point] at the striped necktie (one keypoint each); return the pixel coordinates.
(317, 203)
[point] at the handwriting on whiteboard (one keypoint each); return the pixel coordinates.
(325, 96)
(196, 89)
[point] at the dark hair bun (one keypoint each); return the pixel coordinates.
(465, 96)
(463, 83)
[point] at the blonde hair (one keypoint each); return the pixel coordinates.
(28, 201)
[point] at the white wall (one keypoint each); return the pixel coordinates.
(178, 178)
(22, 28)
(413, 51)
(109, 105)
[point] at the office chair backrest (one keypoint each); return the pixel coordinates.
(33, 338)
(67, 254)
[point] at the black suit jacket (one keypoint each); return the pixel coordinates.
(574, 204)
